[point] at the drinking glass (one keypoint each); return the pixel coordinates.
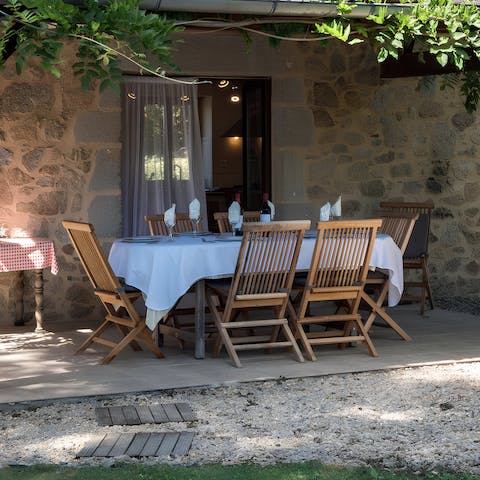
(170, 223)
(195, 219)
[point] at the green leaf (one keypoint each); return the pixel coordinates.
(442, 58)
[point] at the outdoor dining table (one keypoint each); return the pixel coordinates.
(20, 254)
(164, 270)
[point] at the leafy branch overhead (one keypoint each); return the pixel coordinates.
(445, 29)
(105, 34)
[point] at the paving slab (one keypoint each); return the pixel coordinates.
(43, 366)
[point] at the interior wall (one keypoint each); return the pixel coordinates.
(226, 151)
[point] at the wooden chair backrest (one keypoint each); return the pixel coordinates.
(267, 258)
(418, 244)
(399, 225)
(156, 224)
(92, 256)
(342, 253)
(224, 225)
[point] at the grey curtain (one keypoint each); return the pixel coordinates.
(161, 155)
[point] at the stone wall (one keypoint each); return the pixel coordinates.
(336, 129)
(59, 159)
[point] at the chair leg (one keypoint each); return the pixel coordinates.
(121, 345)
(366, 336)
(378, 310)
(96, 333)
(426, 281)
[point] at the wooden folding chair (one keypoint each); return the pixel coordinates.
(263, 279)
(224, 225)
(156, 224)
(399, 225)
(116, 298)
(338, 271)
(416, 253)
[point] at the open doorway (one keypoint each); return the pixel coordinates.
(235, 129)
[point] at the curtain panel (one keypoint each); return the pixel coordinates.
(161, 155)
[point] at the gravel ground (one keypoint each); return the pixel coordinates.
(418, 419)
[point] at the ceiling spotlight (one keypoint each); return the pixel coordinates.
(235, 98)
(223, 83)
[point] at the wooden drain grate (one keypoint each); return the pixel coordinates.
(136, 415)
(142, 444)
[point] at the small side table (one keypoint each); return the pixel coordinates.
(20, 254)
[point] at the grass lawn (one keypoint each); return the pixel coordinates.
(294, 471)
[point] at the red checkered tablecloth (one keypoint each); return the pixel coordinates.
(27, 254)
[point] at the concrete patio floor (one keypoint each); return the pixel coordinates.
(43, 366)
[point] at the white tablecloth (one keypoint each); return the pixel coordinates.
(165, 270)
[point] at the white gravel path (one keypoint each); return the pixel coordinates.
(419, 419)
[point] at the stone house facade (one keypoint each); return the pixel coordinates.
(337, 128)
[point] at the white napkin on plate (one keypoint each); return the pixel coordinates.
(169, 216)
(194, 209)
(337, 207)
(234, 213)
(325, 212)
(272, 209)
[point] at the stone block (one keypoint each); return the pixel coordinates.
(463, 120)
(6, 157)
(433, 185)
(401, 170)
(387, 157)
(288, 90)
(373, 188)
(289, 176)
(324, 95)
(473, 268)
(322, 118)
(17, 177)
(106, 173)
(394, 133)
(443, 142)
(292, 127)
(472, 191)
(104, 213)
(442, 212)
(54, 130)
(27, 97)
(32, 159)
(97, 127)
(429, 109)
(110, 99)
(51, 203)
(411, 187)
(452, 265)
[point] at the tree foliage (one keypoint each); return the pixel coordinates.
(445, 29)
(108, 31)
(105, 33)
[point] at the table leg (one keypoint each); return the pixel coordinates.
(38, 290)
(200, 319)
(18, 288)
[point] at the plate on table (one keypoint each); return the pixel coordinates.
(229, 238)
(148, 239)
(192, 234)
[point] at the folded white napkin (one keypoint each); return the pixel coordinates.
(325, 212)
(337, 207)
(194, 209)
(169, 216)
(234, 212)
(272, 209)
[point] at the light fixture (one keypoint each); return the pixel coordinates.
(223, 83)
(131, 95)
(184, 98)
(235, 98)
